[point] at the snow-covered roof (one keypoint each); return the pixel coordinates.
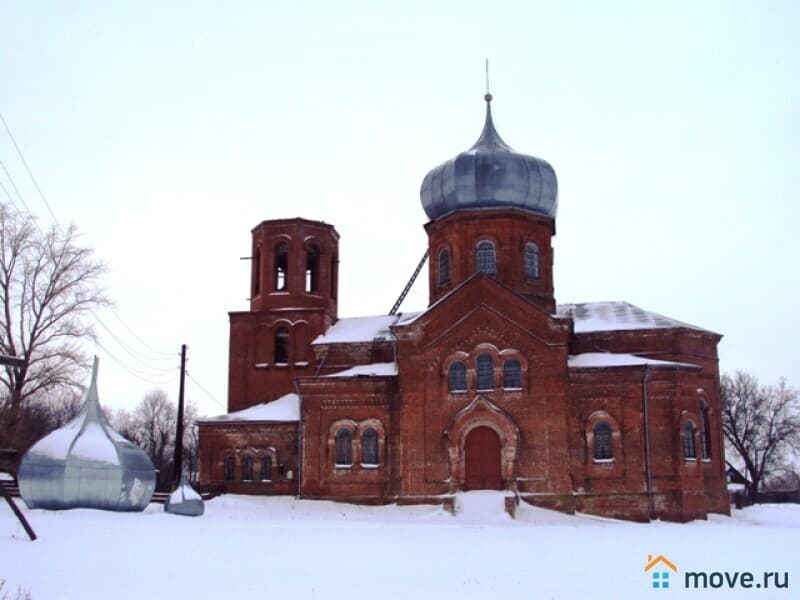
(616, 316)
(286, 408)
(599, 360)
(372, 370)
(357, 329)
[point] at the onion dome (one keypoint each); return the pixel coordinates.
(184, 501)
(86, 464)
(490, 175)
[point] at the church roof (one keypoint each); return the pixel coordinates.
(371, 370)
(284, 409)
(616, 316)
(353, 330)
(490, 175)
(602, 360)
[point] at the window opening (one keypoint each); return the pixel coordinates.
(531, 261)
(256, 272)
(247, 468)
(281, 266)
(312, 269)
(266, 468)
(282, 345)
(485, 258)
(444, 266)
(705, 432)
(485, 373)
(457, 377)
(369, 447)
(344, 448)
(688, 440)
(603, 448)
(512, 374)
(229, 465)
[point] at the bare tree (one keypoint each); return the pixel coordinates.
(49, 286)
(761, 425)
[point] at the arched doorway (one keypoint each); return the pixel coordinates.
(482, 460)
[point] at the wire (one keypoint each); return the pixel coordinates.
(16, 189)
(140, 340)
(197, 383)
(141, 375)
(139, 357)
(30, 173)
(9, 196)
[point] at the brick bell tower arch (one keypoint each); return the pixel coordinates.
(472, 447)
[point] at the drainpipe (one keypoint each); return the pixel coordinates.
(647, 465)
(299, 442)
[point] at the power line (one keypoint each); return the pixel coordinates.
(16, 189)
(146, 377)
(205, 390)
(139, 357)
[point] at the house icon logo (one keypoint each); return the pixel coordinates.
(659, 568)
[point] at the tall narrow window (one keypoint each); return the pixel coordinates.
(344, 448)
(603, 448)
(705, 432)
(531, 261)
(334, 271)
(512, 376)
(281, 266)
(282, 345)
(247, 468)
(266, 468)
(485, 372)
(369, 447)
(312, 269)
(688, 440)
(444, 266)
(457, 377)
(228, 467)
(485, 261)
(256, 276)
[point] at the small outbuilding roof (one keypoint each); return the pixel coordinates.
(601, 360)
(284, 409)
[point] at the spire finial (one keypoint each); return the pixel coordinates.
(488, 96)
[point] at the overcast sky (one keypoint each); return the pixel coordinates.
(167, 130)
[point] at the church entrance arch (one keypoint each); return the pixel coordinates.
(482, 460)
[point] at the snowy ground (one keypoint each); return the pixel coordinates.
(251, 547)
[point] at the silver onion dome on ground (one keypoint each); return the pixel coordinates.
(490, 175)
(86, 464)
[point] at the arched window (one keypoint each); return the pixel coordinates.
(266, 468)
(333, 271)
(247, 468)
(485, 261)
(485, 372)
(281, 266)
(344, 448)
(603, 448)
(457, 377)
(312, 269)
(688, 440)
(369, 447)
(531, 261)
(256, 276)
(512, 375)
(228, 467)
(282, 345)
(705, 432)
(444, 266)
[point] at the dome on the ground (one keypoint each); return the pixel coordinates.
(490, 175)
(87, 464)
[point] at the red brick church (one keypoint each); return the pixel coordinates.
(601, 407)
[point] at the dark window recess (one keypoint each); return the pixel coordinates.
(688, 440)
(512, 374)
(485, 372)
(705, 432)
(531, 261)
(344, 447)
(457, 377)
(444, 266)
(282, 345)
(256, 276)
(281, 266)
(228, 467)
(485, 261)
(603, 448)
(312, 269)
(266, 468)
(247, 468)
(369, 447)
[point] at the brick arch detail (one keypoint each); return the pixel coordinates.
(481, 412)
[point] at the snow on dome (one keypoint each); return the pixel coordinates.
(86, 464)
(599, 360)
(616, 316)
(285, 408)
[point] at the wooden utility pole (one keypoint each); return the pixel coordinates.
(178, 461)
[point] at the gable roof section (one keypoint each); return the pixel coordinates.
(284, 409)
(353, 330)
(602, 360)
(590, 317)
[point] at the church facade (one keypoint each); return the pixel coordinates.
(603, 407)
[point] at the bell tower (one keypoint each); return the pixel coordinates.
(492, 211)
(293, 299)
